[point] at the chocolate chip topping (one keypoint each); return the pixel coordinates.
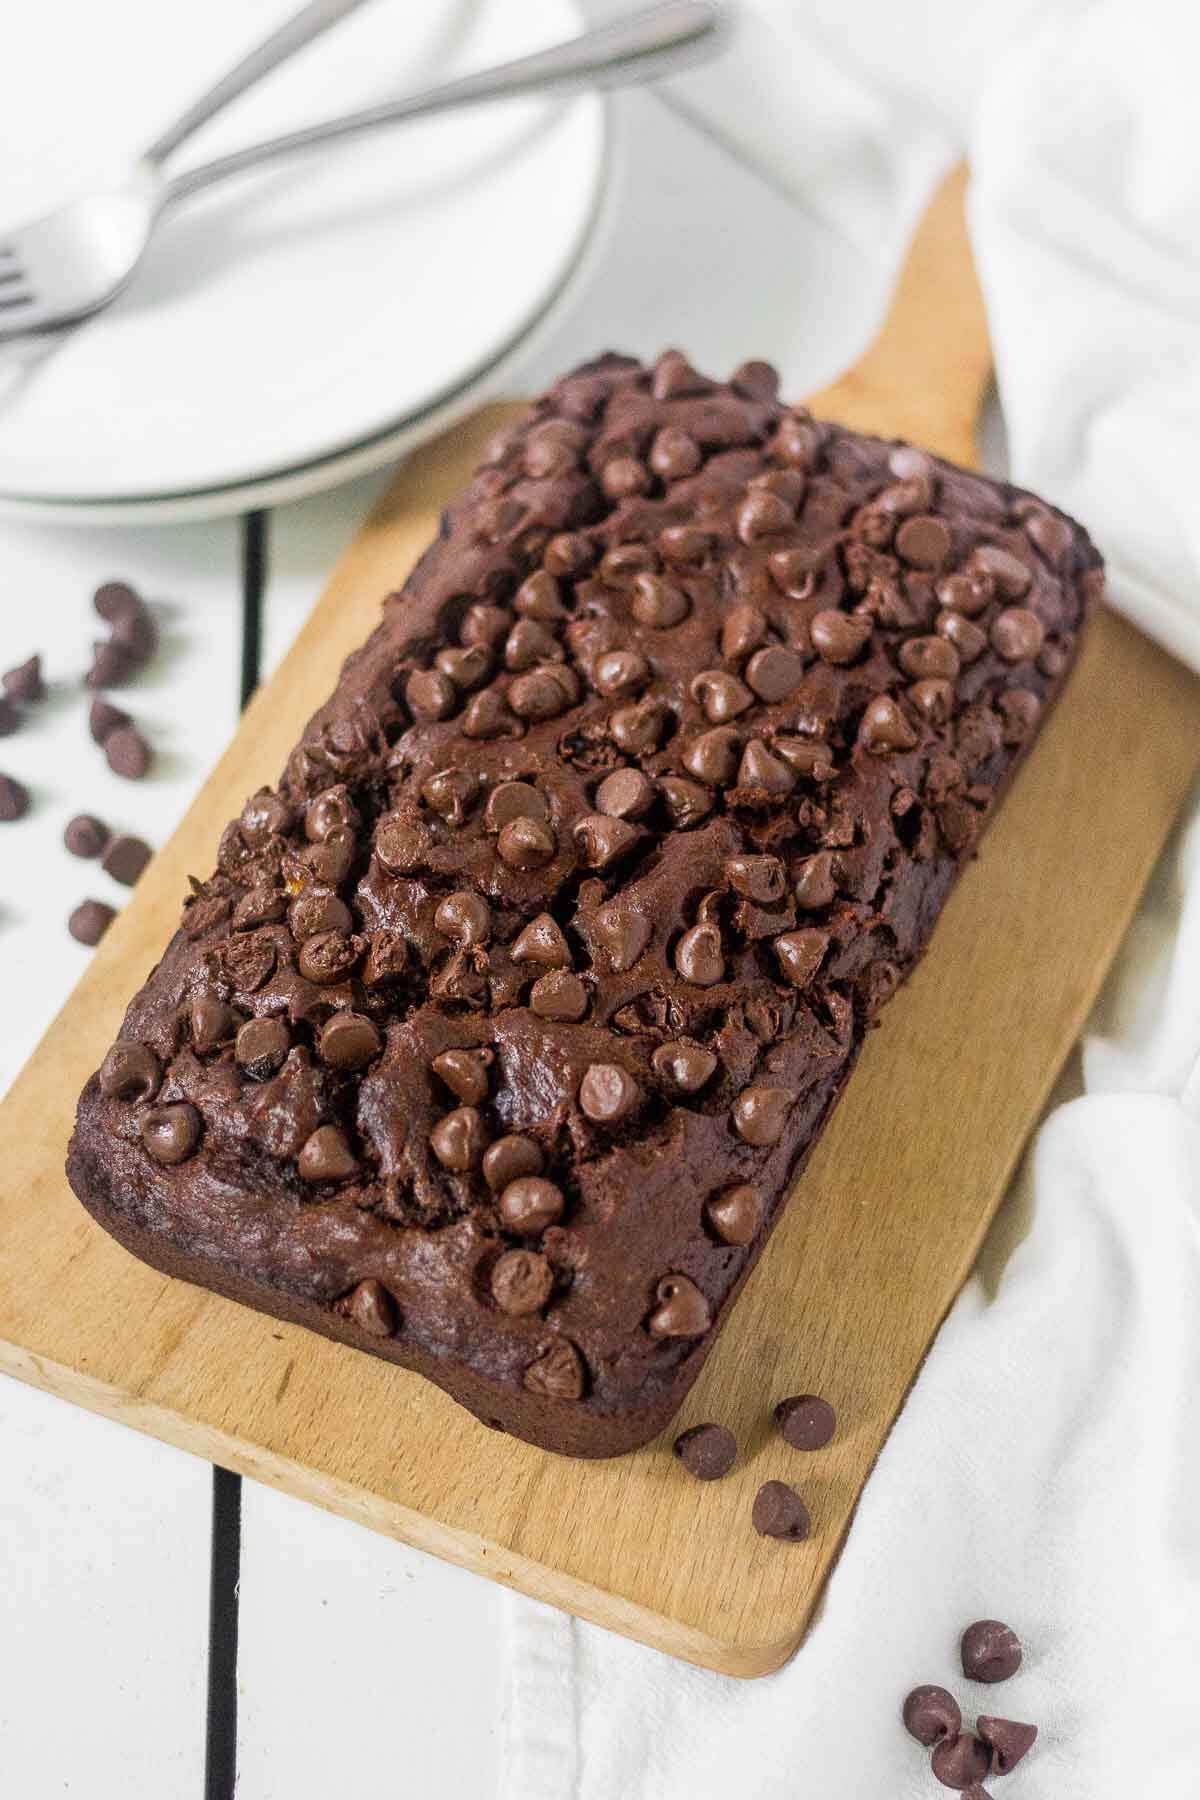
(212, 1024)
(779, 1512)
(931, 1715)
(371, 1307)
(760, 1114)
(736, 1214)
(529, 1204)
(522, 1281)
(127, 752)
(459, 1140)
(171, 1133)
(130, 1071)
(960, 1761)
(14, 800)
(683, 1067)
(805, 1421)
(125, 859)
(608, 1093)
(24, 683)
(1006, 1739)
(990, 1650)
(681, 1309)
(261, 1046)
(465, 1073)
(349, 1041)
(706, 1451)
(557, 1372)
(89, 922)
(326, 1156)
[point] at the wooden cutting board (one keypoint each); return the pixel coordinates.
(886, 1220)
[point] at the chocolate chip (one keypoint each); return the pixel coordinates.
(331, 811)
(459, 1140)
(744, 629)
(557, 1373)
(112, 600)
(171, 1133)
(619, 674)
(465, 1073)
(764, 771)
(736, 1214)
(125, 859)
(990, 1650)
(261, 1046)
(1020, 711)
(542, 942)
(924, 541)
(465, 917)
(540, 597)
(760, 1114)
(810, 757)
(130, 1071)
(526, 844)
(85, 835)
(1007, 1740)
(430, 695)
(349, 1041)
(721, 695)
(1017, 634)
(967, 637)
(839, 637)
(960, 1761)
(674, 377)
(608, 1093)
(706, 1451)
(759, 878)
(639, 728)
(14, 800)
(112, 664)
(884, 727)
(528, 644)
(923, 658)
(681, 1309)
(326, 1156)
(127, 752)
(511, 800)
(930, 1714)
(674, 455)
(487, 716)
(800, 954)
(625, 794)
(1055, 656)
(537, 696)
(24, 683)
(371, 1307)
(569, 554)
(700, 956)
(934, 700)
(816, 884)
(658, 603)
(601, 841)
(483, 624)
(529, 1204)
(965, 592)
(329, 956)
(213, 1024)
(623, 477)
(450, 794)
(622, 933)
(90, 920)
(683, 1067)
(522, 1281)
(686, 802)
(713, 756)
(315, 912)
(774, 673)
(805, 1421)
(402, 846)
(330, 862)
(509, 1160)
(684, 544)
(559, 996)
(1011, 576)
(779, 1512)
(762, 514)
(467, 667)
(135, 631)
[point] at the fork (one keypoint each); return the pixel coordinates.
(70, 263)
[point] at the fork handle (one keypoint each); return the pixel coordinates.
(632, 48)
(309, 23)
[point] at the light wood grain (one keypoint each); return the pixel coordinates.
(882, 1229)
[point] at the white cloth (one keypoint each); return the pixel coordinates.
(1046, 1467)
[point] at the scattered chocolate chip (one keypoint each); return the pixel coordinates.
(968, 638)
(608, 1093)
(722, 696)
(1006, 1739)
(261, 1046)
(557, 1373)
(266, 815)
(459, 1140)
(884, 727)
(543, 943)
(89, 922)
(924, 541)
(14, 800)
(779, 1512)
(451, 793)
(625, 794)
(560, 996)
(965, 592)
(682, 1067)
(760, 769)
(401, 846)
(686, 801)
(522, 1281)
(349, 1041)
(713, 756)
(601, 841)
(926, 658)
(735, 1215)
(465, 1073)
(127, 752)
(315, 912)
(387, 957)
(700, 956)
(24, 683)
(930, 1715)
(816, 885)
(759, 878)
(1011, 576)
(112, 664)
(465, 917)
(706, 1451)
(805, 1421)
(839, 638)
(326, 1156)
(528, 1204)
(125, 858)
(430, 695)
(760, 1114)
(681, 1309)
(674, 455)
(112, 600)
(526, 844)
(990, 1650)
(960, 1761)
(1017, 634)
(658, 603)
(329, 956)
(130, 1071)
(171, 1133)
(467, 668)
(639, 728)
(762, 514)
(800, 954)
(511, 800)
(774, 673)
(369, 1306)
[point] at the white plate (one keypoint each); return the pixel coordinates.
(311, 314)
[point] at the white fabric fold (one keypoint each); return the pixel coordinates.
(1046, 1467)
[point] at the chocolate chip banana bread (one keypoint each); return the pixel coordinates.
(504, 1024)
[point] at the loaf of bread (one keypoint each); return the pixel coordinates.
(508, 1018)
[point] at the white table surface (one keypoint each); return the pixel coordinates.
(363, 1667)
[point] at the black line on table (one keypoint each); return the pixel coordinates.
(225, 1561)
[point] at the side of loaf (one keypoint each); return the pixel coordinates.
(496, 1039)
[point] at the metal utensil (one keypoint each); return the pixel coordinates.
(70, 263)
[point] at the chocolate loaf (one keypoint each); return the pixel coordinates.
(498, 1035)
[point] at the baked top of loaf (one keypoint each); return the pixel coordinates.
(498, 1033)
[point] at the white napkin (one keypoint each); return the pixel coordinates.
(1046, 1468)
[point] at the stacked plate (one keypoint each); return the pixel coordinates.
(304, 323)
